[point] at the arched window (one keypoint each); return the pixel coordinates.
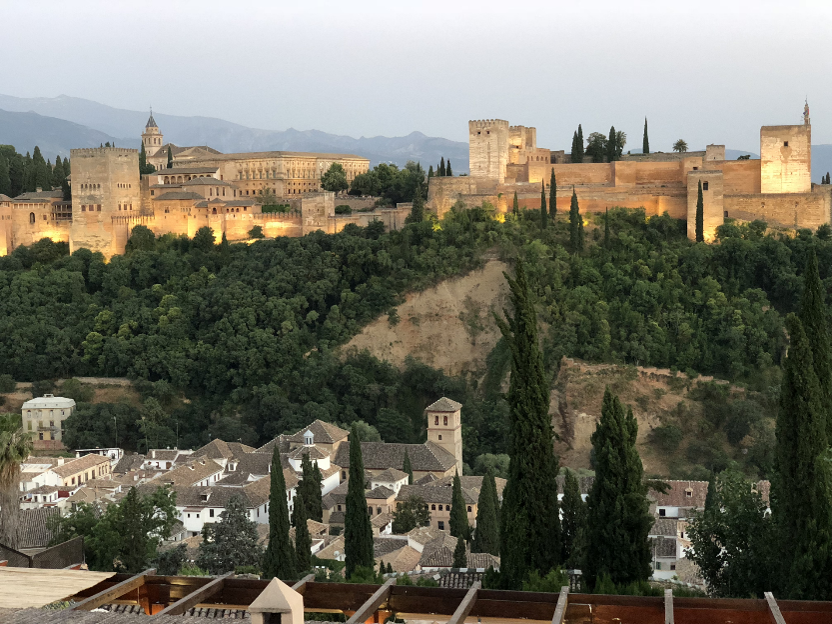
(446, 420)
(440, 507)
(31, 217)
(436, 420)
(469, 509)
(433, 507)
(214, 211)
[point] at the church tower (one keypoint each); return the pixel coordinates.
(445, 427)
(151, 137)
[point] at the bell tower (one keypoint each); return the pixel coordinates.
(152, 138)
(445, 427)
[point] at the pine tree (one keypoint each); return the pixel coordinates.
(544, 211)
(573, 519)
(5, 178)
(801, 499)
(553, 196)
(170, 158)
(407, 468)
(441, 167)
(612, 145)
(645, 142)
(700, 216)
(815, 319)
(459, 516)
(303, 541)
(358, 533)
(460, 554)
(448, 171)
(576, 225)
(487, 533)
(580, 144)
(311, 486)
(529, 522)
(618, 517)
(279, 560)
(515, 206)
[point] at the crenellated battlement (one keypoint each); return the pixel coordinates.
(487, 123)
(82, 152)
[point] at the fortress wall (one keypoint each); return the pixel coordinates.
(801, 210)
(318, 212)
(517, 173)
(712, 202)
(786, 159)
(445, 192)
(599, 199)
(20, 231)
(584, 173)
(647, 173)
(741, 176)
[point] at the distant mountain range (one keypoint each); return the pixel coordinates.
(93, 123)
(58, 124)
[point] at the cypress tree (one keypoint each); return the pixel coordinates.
(442, 166)
(142, 159)
(58, 174)
(573, 512)
(407, 468)
(815, 321)
(515, 207)
(645, 143)
(576, 225)
(358, 533)
(460, 554)
(544, 211)
(279, 559)
(573, 156)
(618, 518)
(430, 172)
(417, 211)
(580, 144)
(448, 171)
(487, 533)
(801, 488)
(303, 541)
(459, 516)
(17, 174)
(28, 175)
(612, 145)
(310, 485)
(607, 228)
(389, 568)
(170, 158)
(553, 196)
(700, 216)
(529, 522)
(5, 178)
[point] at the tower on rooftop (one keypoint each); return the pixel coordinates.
(445, 427)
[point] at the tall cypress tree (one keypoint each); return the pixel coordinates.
(573, 521)
(815, 321)
(544, 211)
(28, 175)
(576, 225)
(801, 488)
(553, 196)
(612, 145)
(618, 517)
(700, 216)
(530, 526)
(5, 178)
(580, 144)
(358, 533)
(487, 533)
(645, 143)
(142, 159)
(459, 516)
(607, 228)
(430, 172)
(448, 171)
(575, 151)
(515, 206)
(311, 486)
(279, 559)
(303, 541)
(58, 174)
(460, 554)
(441, 166)
(407, 468)
(170, 158)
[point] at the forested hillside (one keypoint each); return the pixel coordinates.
(237, 341)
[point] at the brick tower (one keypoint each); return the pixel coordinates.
(445, 427)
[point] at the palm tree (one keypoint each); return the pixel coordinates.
(15, 447)
(680, 146)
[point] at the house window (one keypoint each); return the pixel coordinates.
(436, 420)
(211, 513)
(446, 421)
(378, 511)
(440, 507)
(469, 509)
(40, 435)
(440, 436)
(672, 566)
(370, 510)
(658, 565)
(339, 507)
(662, 513)
(433, 507)
(343, 474)
(688, 493)
(704, 186)
(440, 525)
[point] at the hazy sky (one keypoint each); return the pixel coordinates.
(708, 72)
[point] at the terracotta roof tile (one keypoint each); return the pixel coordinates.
(383, 455)
(444, 405)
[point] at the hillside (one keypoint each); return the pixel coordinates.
(107, 121)
(53, 136)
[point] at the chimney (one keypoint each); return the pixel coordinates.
(39, 189)
(61, 461)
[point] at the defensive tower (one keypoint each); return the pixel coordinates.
(488, 141)
(786, 158)
(445, 427)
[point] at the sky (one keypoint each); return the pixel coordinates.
(704, 71)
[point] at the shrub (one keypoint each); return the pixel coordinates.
(343, 209)
(666, 437)
(7, 383)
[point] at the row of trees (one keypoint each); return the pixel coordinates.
(442, 170)
(601, 147)
(391, 184)
(24, 174)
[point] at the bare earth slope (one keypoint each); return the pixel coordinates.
(450, 326)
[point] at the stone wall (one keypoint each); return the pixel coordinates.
(444, 192)
(317, 212)
(488, 142)
(791, 210)
(647, 173)
(712, 202)
(741, 176)
(786, 155)
(584, 173)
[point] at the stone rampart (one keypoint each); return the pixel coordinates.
(712, 202)
(791, 210)
(786, 156)
(741, 176)
(647, 173)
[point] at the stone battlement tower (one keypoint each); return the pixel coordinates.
(488, 141)
(105, 184)
(445, 427)
(786, 159)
